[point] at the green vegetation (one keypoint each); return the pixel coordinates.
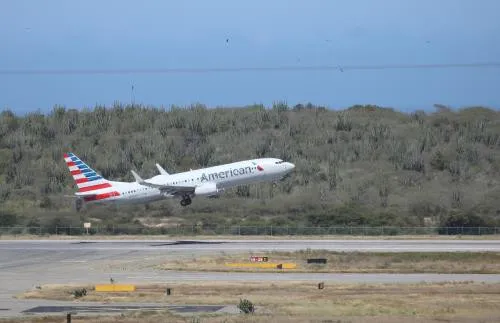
(245, 306)
(80, 292)
(365, 165)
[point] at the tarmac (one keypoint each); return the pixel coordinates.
(25, 264)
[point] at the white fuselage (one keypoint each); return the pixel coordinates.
(222, 177)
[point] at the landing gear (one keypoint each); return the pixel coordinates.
(186, 200)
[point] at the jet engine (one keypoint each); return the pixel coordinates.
(208, 189)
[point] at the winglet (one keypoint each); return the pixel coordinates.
(161, 170)
(138, 179)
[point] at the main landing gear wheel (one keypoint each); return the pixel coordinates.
(186, 200)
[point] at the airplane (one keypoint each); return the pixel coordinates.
(207, 182)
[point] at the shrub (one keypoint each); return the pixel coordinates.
(80, 292)
(246, 306)
(458, 218)
(438, 161)
(7, 218)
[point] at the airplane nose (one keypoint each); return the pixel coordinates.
(291, 166)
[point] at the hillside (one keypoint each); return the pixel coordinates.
(364, 165)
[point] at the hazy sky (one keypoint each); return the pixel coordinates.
(118, 34)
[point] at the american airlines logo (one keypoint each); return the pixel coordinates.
(229, 173)
(260, 168)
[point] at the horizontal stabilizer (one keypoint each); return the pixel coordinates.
(84, 194)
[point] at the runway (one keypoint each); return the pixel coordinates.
(193, 246)
(25, 264)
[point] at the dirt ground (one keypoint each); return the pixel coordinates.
(300, 302)
(351, 262)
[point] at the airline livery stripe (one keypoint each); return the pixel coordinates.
(94, 187)
(86, 179)
(93, 183)
(81, 180)
(101, 196)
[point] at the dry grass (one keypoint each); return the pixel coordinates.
(352, 262)
(237, 237)
(303, 302)
(167, 318)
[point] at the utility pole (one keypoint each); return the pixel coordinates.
(132, 97)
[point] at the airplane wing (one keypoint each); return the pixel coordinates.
(170, 189)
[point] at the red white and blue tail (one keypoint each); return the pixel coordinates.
(85, 177)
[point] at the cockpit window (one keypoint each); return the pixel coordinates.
(279, 162)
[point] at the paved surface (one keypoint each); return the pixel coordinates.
(120, 308)
(245, 245)
(26, 264)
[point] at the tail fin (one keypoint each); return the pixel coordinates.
(85, 177)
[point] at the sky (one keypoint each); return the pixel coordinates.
(123, 34)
